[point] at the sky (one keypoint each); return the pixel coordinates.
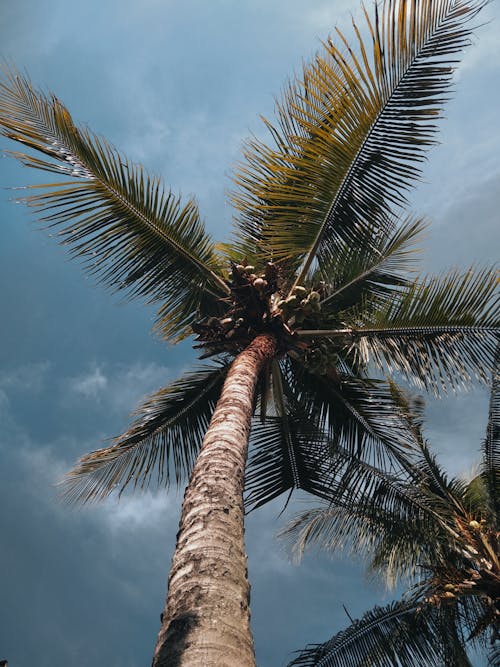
(178, 86)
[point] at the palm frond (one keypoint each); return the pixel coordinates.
(401, 634)
(350, 134)
(357, 413)
(128, 231)
(439, 332)
(491, 446)
(394, 524)
(476, 497)
(361, 534)
(288, 452)
(494, 655)
(319, 425)
(163, 442)
(372, 266)
(424, 469)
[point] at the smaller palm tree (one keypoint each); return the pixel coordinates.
(443, 534)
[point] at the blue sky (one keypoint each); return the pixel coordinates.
(177, 86)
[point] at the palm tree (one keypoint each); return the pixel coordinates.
(318, 288)
(443, 534)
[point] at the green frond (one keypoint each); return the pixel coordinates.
(402, 634)
(478, 617)
(491, 445)
(476, 498)
(494, 655)
(128, 231)
(161, 444)
(374, 266)
(412, 409)
(353, 530)
(288, 452)
(439, 332)
(418, 523)
(424, 468)
(392, 521)
(233, 253)
(356, 413)
(350, 134)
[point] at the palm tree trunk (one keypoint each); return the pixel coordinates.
(206, 621)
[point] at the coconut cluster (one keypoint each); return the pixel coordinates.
(250, 310)
(300, 305)
(479, 574)
(256, 304)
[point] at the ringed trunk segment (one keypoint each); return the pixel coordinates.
(206, 620)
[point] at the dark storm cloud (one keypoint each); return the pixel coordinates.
(468, 232)
(72, 588)
(72, 581)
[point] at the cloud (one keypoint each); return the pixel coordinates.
(143, 512)
(455, 428)
(473, 215)
(28, 377)
(97, 569)
(91, 384)
(484, 52)
(117, 386)
(327, 16)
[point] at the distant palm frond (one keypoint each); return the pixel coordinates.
(441, 533)
(401, 634)
(491, 446)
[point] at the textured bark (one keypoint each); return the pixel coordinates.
(206, 621)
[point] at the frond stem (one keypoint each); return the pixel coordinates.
(148, 223)
(347, 177)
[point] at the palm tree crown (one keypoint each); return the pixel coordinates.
(442, 534)
(317, 283)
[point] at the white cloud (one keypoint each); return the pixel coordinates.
(484, 52)
(324, 18)
(91, 384)
(129, 384)
(29, 377)
(4, 404)
(144, 511)
(42, 463)
(117, 386)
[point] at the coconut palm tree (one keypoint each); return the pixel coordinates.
(443, 534)
(312, 291)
